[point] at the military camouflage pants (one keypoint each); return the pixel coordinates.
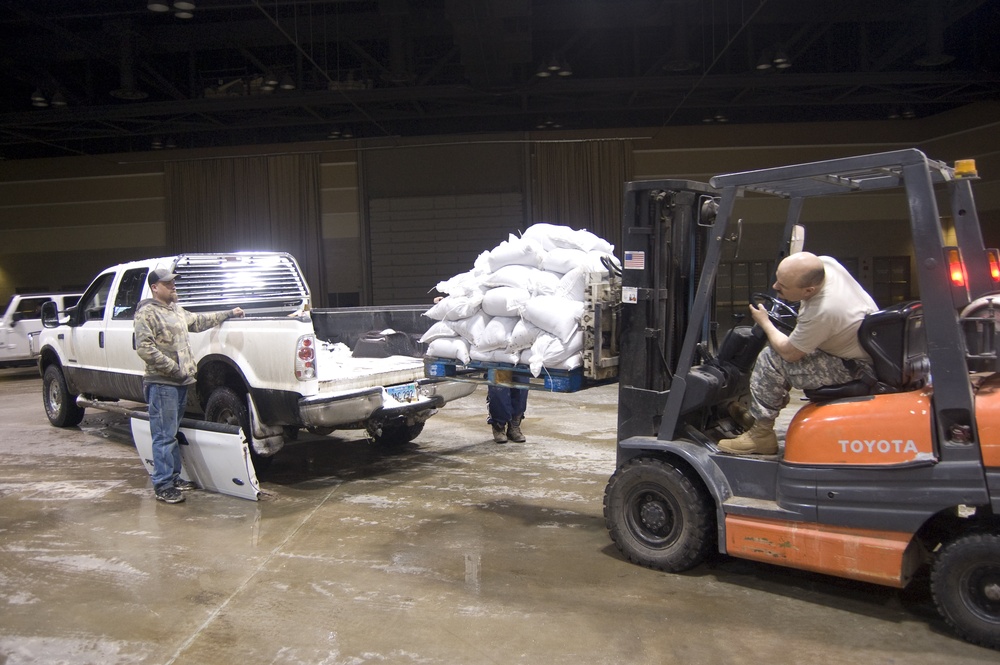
(773, 377)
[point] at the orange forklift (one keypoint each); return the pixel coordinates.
(875, 480)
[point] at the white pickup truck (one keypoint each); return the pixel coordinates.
(22, 322)
(281, 368)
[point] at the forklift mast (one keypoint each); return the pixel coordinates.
(667, 227)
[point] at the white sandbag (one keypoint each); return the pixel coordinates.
(594, 262)
(563, 259)
(471, 327)
(525, 358)
(573, 284)
(438, 330)
(516, 251)
(452, 308)
(549, 351)
(557, 315)
(494, 356)
(552, 236)
(496, 334)
(518, 276)
(572, 362)
(544, 283)
(523, 335)
(454, 348)
(463, 284)
(505, 301)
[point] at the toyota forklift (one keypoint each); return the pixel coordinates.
(874, 480)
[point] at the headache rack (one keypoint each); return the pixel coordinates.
(265, 282)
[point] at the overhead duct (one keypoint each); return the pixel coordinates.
(935, 55)
(127, 89)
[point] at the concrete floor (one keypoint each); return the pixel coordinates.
(452, 550)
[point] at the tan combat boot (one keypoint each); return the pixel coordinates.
(514, 430)
(499, 432)
(758, 440)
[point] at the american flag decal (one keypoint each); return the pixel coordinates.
(635, 260)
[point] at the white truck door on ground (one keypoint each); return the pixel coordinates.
(216, 457)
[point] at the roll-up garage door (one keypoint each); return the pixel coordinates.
(417, 242)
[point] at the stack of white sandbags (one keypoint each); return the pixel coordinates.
(522, 302)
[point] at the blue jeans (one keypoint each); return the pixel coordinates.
(505, 403)
(166, 408)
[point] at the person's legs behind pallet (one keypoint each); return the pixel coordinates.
(506, 408)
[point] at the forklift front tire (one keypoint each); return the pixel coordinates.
(965, 583)
(657, 516)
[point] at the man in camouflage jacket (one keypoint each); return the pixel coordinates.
(161, 336)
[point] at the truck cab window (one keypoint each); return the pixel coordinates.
(96, 298)
(128, 294)
(31, 308)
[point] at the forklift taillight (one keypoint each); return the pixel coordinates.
(956, 269)
(993, 255)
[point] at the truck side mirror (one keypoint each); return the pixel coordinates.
(15, 317)
(50, 315)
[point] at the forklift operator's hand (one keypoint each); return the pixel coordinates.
(759, 314)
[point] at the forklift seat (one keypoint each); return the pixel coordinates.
(895, 340)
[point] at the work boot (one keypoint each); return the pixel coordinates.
(514, 429)
(499, 432)
(741, 415)
(758, 440)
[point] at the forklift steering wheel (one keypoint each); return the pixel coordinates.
(781, 314)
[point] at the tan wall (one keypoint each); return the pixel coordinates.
(62, 220)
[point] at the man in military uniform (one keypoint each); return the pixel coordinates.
(161, 336)
(823, 350)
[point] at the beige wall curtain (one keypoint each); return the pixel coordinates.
(581, 184)
(249, 204)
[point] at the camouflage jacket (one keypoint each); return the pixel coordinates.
(161, 339)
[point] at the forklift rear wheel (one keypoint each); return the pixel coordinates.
(225, 406)
(657, 516)
(965, 582)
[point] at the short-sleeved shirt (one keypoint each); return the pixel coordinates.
(829, 321)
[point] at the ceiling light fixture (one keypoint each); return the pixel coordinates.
(38, 99)
(269, 82)
(781, 60)
(156, 6)
(184, 4)
(286, 82)
(58, 99)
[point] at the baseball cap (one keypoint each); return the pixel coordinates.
(160, 275)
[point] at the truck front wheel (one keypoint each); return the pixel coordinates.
(60, 405)
(226, 406)
(657, 516)
(965, 583)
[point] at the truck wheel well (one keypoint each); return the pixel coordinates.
(47, 357)
(218, 373)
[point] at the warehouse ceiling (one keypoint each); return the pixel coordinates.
(101, 76)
